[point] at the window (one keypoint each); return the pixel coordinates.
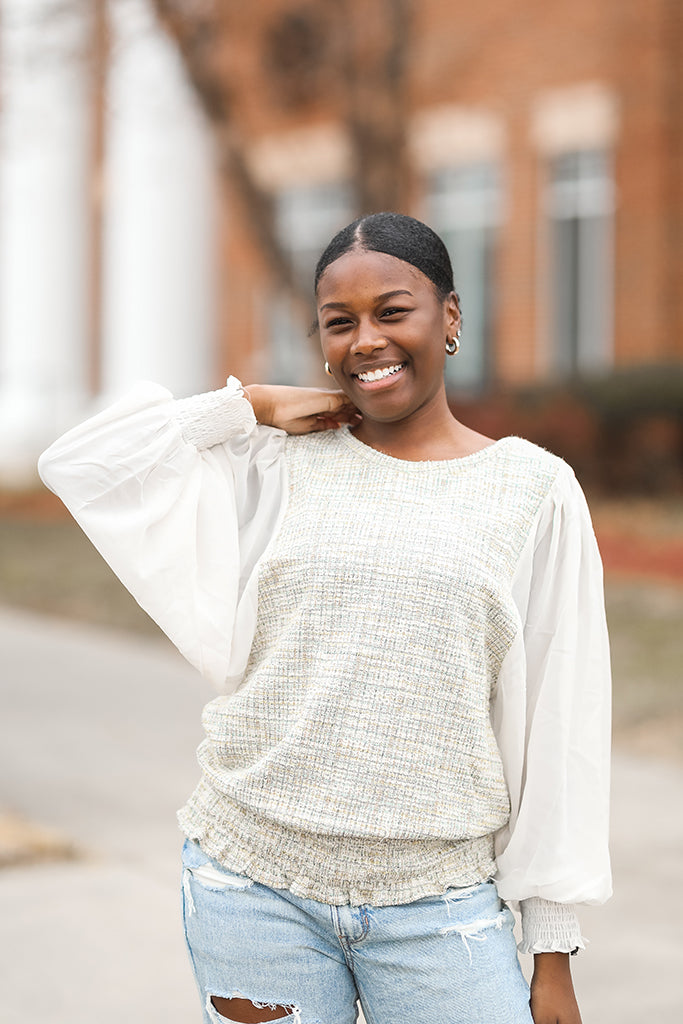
(306, 219)
(579, 207)
(464, 207)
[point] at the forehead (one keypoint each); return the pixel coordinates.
(359, 275)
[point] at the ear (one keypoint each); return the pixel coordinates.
(452, 310)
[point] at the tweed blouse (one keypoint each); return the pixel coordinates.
(418, 650)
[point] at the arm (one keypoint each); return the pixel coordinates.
(179, 497)
(551, 931)
(300, 410)
(552, 992)
(552, 722)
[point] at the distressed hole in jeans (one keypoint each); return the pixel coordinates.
(476, 930)
(243, 1011)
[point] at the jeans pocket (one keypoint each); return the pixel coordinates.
(208, 872)
(217, 878)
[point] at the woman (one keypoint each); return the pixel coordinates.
(406, 620)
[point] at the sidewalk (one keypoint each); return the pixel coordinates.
(97, 739)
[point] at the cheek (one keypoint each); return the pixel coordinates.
(333, 348)
(333, 353)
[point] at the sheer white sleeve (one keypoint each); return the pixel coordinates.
(551, 716)
(181, 499)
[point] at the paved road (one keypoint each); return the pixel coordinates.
(97, 739)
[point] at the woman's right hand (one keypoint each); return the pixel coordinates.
(300, 410)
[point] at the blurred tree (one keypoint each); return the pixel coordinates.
(197, 26)
(353, 56)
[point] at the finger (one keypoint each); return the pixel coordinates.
(333, 401)
(347, 411)
(308, 424)
(327, 422)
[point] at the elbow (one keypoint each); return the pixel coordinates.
(55, 470)
(47, 469)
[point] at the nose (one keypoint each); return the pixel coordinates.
(369, 338)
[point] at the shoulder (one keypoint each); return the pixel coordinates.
(561, 506)
(540, 489)
(313, 460)
(321, 444)
(527, 465)
(530, 458)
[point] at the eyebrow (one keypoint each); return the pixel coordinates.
(378, 298)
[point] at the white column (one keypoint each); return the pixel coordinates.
(44, 236)
(158, 285)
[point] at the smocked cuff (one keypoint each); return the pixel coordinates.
(549, 927)
(209, 419)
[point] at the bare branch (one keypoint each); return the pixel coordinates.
(195, 27)
(366, 72)
(375, 67)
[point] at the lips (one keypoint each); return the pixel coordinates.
(368, 376)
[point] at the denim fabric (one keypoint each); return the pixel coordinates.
(449, 958)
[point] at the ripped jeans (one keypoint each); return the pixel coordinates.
(450, 959)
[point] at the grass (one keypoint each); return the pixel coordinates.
(645, 621)
(52, 567)
(49, 566)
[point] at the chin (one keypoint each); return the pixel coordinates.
(395, 415)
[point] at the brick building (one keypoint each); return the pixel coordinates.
(542, 140)
(545, 143)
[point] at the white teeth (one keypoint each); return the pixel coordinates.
(379, 374)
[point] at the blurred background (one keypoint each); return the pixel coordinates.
(171, 169)
(169, 172)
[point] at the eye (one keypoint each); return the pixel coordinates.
(337, 321)
(393, 311)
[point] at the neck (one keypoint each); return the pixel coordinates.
(430, 433)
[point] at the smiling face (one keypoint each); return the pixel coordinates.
(383, 331)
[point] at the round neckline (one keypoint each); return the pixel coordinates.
(460, 462)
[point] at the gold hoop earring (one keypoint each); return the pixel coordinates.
(453, 345)
(328, 371)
